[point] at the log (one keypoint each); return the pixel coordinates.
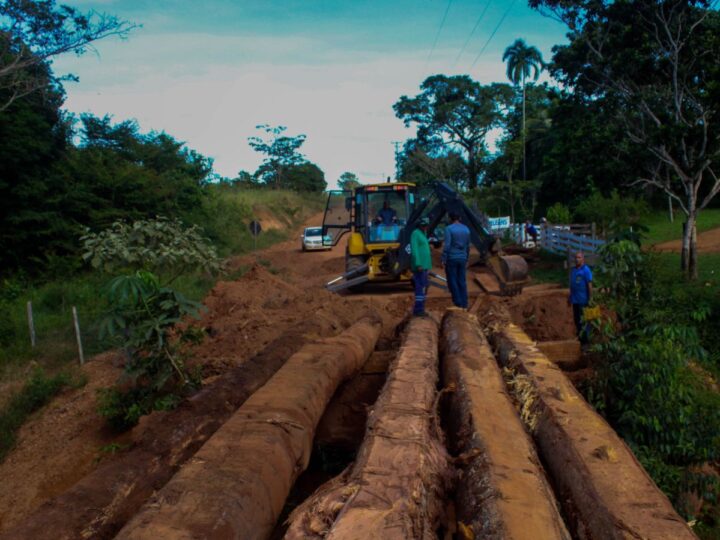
(566, 353)
(236, 484)
(103, 501)
(605, 492)
(502, 491)
(396, 487)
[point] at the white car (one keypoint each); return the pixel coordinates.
(312, 239)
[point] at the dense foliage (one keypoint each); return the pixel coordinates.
(650, 384)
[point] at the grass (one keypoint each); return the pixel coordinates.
(549, 269)
(661, 230)
(37, 391)
(229, 210)
(668, 267)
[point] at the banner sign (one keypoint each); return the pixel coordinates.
(499, 222)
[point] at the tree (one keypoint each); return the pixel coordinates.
(658, 61)
(584, 151)
(303, 177)
(521, 149)
(456, 113)
(522, 61)
(348, 181)
(281, 152)
(32, 32)
(422, 165)
(35, 136)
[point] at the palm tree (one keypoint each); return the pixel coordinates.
(522, 61)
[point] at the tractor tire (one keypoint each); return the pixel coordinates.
(351, 263)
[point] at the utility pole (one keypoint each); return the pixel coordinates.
(397, 158)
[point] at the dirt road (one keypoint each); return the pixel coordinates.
(707, 242)
(444, 449)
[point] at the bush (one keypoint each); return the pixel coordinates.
(558, 213)
(157, 245)
(615, 211)
(143, 314)
(646, 385)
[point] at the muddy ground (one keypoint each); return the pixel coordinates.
(280, 287)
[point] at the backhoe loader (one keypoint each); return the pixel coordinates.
(380, 219)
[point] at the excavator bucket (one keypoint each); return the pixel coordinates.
(511, 272)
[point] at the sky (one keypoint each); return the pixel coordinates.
(209, 72)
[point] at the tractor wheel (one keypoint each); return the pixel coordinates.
(351, 263)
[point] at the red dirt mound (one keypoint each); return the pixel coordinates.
(544, 315)
(246, 314)
(57, 446)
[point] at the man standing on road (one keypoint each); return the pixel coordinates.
(455, 258)
(580, 294)
(420, 263)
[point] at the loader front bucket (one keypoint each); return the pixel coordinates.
(511, 272)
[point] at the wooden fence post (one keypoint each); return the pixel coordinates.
(593, 231)
(31, 323)
(77, 335)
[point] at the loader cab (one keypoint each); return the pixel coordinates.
(377, 213)
(381, 212)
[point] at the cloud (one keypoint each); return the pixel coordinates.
(212, 90)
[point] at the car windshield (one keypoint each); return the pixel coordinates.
(313, 232)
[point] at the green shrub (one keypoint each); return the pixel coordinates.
(619, 211)
(646, 386)
(142, 316)
(558, 213)
(158, 245)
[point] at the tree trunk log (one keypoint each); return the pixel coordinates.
(236, 485)
(604, 490)
(502, 491)
(102, 502)
(395, 489)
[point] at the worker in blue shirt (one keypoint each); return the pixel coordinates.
(387, 215)
(455, 258)
(580, 294)
(531, 231)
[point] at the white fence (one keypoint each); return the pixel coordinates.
(560, 239)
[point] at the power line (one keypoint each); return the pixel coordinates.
(477, 23)
(493, 34)
(437, 36)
